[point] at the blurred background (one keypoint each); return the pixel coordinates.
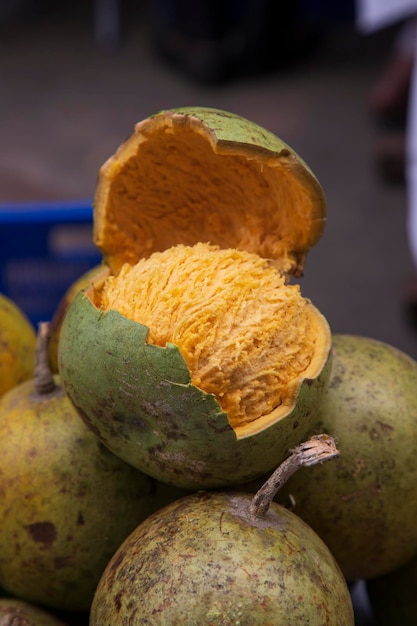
(76, 76)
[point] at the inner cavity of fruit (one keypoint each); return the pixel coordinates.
(151, 193)
(246, 335)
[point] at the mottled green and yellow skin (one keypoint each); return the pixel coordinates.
(17, 345)
(205, 560)
(66, 502)
(364, 506)
(139, 400)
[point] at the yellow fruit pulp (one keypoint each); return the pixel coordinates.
(171, 184)
(246, 335)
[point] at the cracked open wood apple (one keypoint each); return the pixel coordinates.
(194, 356)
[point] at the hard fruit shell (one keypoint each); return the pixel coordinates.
(67, 502)
(17, 345)
(206, 560)
(364, 506)
(139, 400)
(196, 174)
(186, 176)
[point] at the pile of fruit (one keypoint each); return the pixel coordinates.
(163, 439)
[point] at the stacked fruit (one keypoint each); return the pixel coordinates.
(139, 481)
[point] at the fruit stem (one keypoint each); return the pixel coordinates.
(316, 450)
(43, 379)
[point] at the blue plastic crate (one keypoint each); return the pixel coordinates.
(44, 248)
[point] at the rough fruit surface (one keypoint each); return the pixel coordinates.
(17, 345)
(205, 560)
(364, 506)
(67, 503)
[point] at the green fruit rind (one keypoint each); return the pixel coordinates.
(364, 506)
(205, 560)
(144, 408)
(234, 133)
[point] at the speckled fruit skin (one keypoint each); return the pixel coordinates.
(364, 506)
(17, 345)
(206, 560)
(14, 612)
(66, 502)
(139, 400)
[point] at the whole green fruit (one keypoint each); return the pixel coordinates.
(66, 501)
(212, 558)
(205, 560)
(364, 506)
(219, 396)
